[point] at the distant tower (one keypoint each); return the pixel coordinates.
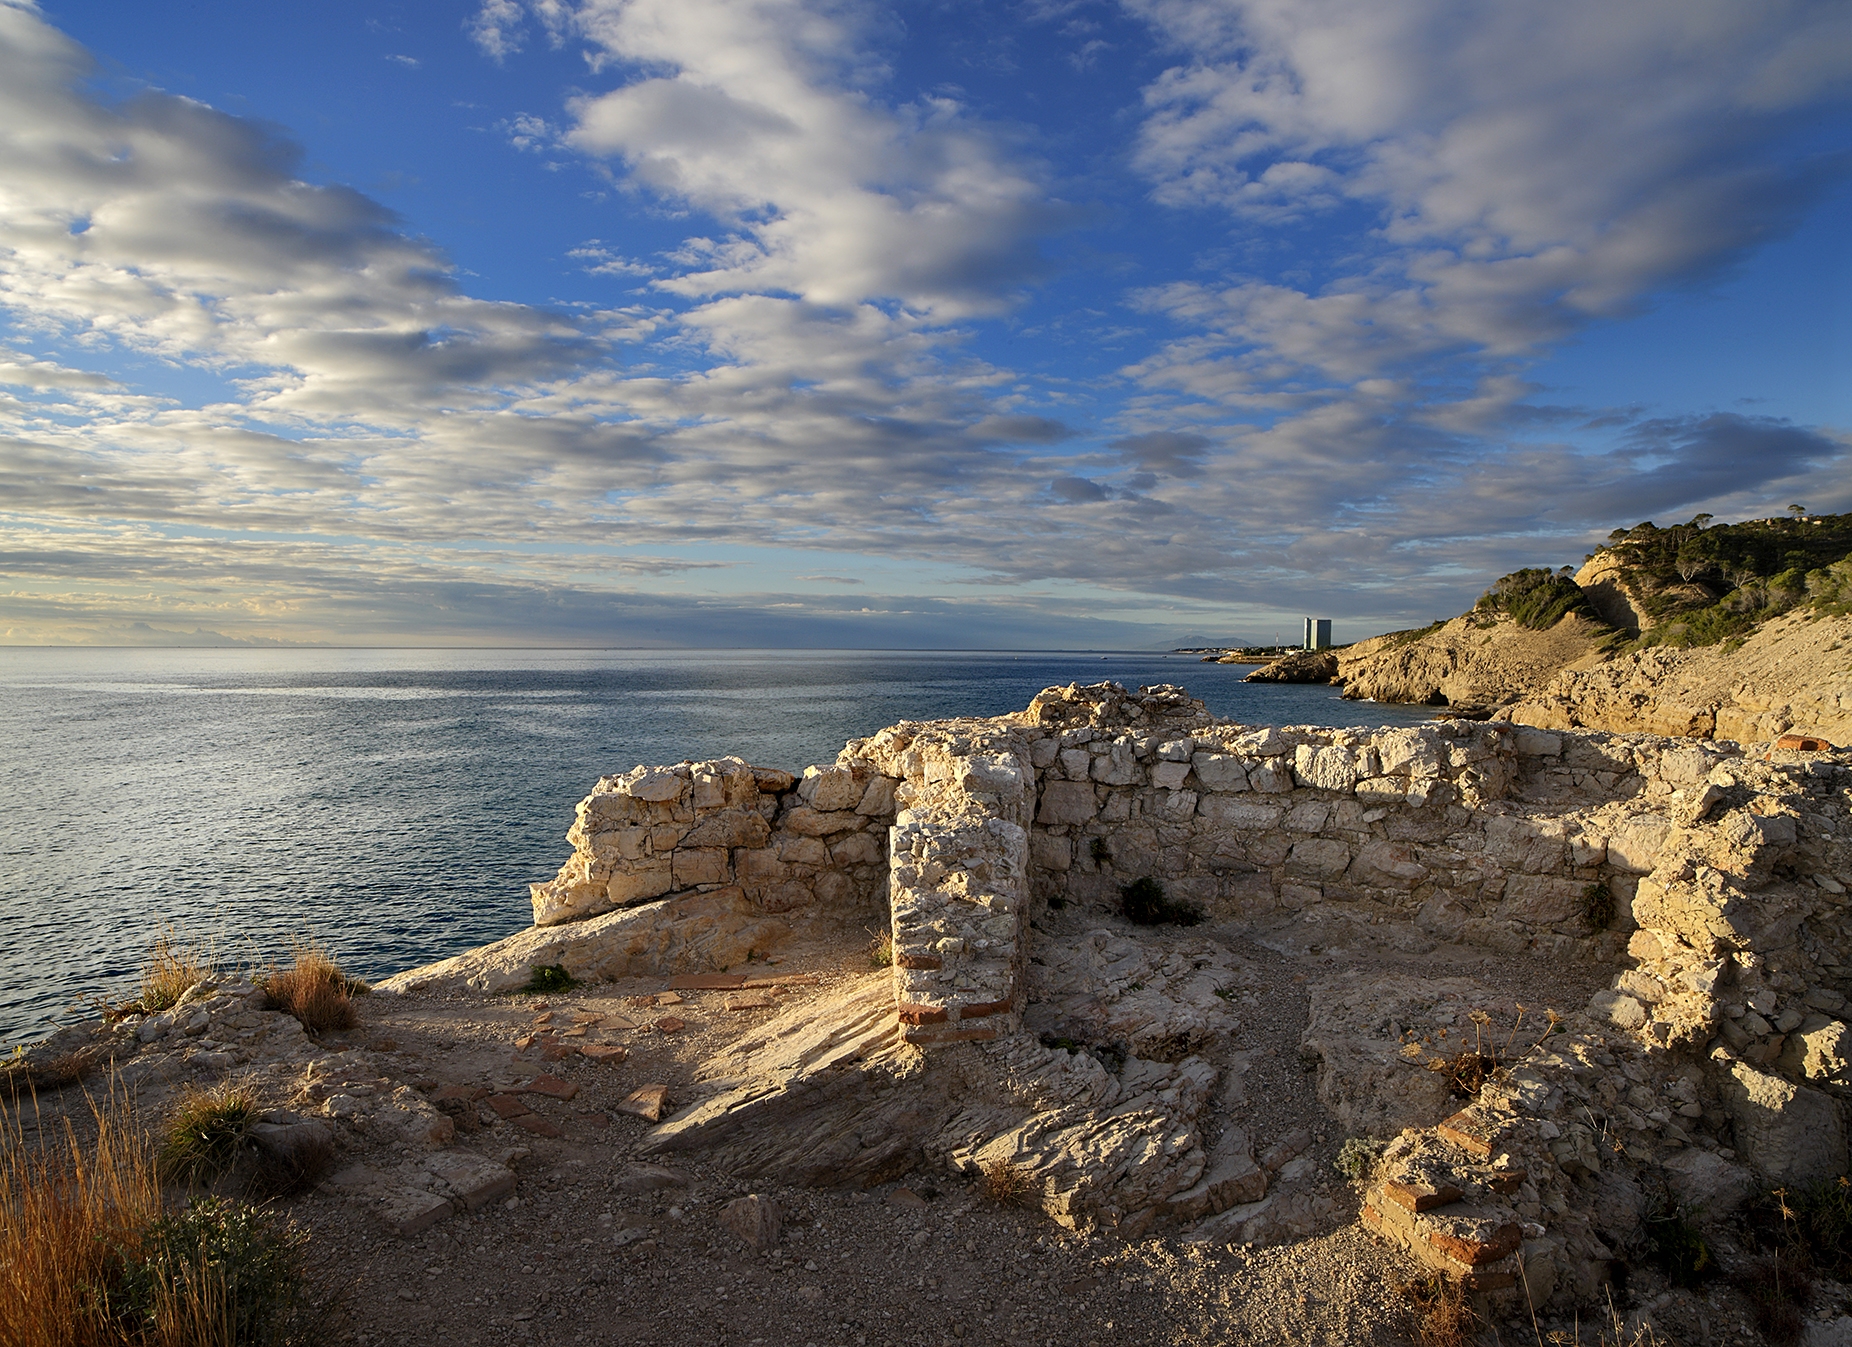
(1318, 633)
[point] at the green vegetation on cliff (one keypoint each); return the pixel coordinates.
(1536, 598)
(1702, 583)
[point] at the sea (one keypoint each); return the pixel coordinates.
(395, 804)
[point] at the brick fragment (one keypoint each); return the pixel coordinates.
(668, 1024)
(604, 1052)
(508, 1105)
(1421, 1196)
(551, 1086)
(914, 1013)
(750, 1001)
(1465, 1248)
(1507, 1180)
(977, 1010)
(539, 1126)
(669, 998)
(1470, 1132)
(908, 960)
(706, 982)
(646, 1102)
(1804, 743)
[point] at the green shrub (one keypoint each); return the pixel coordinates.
(222, 1272)
(1144, 903)
(1357, 1159)
(1537, 598)
(1598, 906)
(550, 977)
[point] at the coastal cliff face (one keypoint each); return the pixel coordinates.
(1793, 673)
(1470, 661)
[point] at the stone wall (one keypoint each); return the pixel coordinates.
(772, 840)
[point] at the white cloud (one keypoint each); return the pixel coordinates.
(759, 113)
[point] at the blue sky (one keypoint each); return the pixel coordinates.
(778, 322)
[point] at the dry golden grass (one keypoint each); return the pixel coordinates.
(314, 989)
(1004, 1183)
(70, 1216)
(881, 949)
(175, 963)
(1443, 1318)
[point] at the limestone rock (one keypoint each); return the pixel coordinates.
(1791, 1133)
(754, 1219)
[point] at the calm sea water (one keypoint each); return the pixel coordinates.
(395, 803)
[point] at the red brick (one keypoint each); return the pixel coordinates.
(668, 1024)
(936, 1034)
(1507, 1180)
(1505, 1239)
(508, 1105)
(1805, 743)
(1470, 1132)
(538, 1125)
(1421, 1196)
(914, 1013)
(977, 1010)
(919, 961)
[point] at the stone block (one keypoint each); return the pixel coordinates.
(819, 823)
(1817, 1049)
(730, 828)
(1067, 802)
(1170, 775)
(755, 1219)
(1323, 857)
(1333, 769)
(1047, 852)
(1219, 772)
(411, 1211)
(656, 785)
(828, 789)
(470, 1179)
(1240, 814)
(646, 1102)
(702, 865)
(640, 883)
(1791, 1133)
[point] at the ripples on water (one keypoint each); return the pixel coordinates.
(396, 803)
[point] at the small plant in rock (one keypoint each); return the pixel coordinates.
(176, 963)
(1598, 906)
(314, 989)
(1469, 1069)
(881, 949)
(202, 1138)
(1145, 903)
(548, 977)
(1357, 1158)
(1004, 1183)
(1779, 1290)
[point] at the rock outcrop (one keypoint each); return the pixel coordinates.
(1475, 661)
(1301, 666)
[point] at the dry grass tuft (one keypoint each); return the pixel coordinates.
(314, 989)
(1005, 1184)
(1443, 1318)
(176, 962)
(201, 1140)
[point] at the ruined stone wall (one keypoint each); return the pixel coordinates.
(762, 837)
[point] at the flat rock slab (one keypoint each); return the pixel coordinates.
(604, 1052)
(751, 1001)
(539, 1126)
(552, 1087)
(706, 982)
(646, 1103)
(668, 1024)
(408, 1211)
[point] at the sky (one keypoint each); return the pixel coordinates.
(840, 323)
